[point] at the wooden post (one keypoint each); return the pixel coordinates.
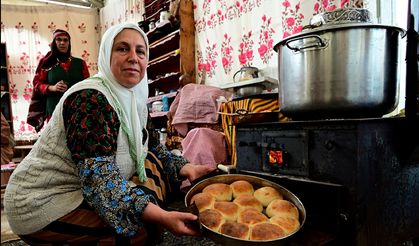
(187, 39)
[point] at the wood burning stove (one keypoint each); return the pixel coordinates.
(358, 179)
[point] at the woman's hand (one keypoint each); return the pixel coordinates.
(192, 171)
(60, 86)
(178, 223)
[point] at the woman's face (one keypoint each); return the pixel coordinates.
(62, 42)
(128, 58)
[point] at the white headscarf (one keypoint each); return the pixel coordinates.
(132, 109)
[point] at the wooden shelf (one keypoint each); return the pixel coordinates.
(166, 84)
(158, 114)
(159, 97)
(168, 63)
(165, 45)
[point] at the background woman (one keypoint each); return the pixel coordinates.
(90, 174)
(57, 71)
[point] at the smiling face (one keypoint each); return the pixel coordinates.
(128, 58)
(62, 42)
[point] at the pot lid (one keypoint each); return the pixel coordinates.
(340, 16)
(338, 19)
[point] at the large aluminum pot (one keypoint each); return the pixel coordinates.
(339, 71)
(257, 183)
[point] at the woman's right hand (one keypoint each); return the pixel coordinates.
(60, 86)
(178, 223)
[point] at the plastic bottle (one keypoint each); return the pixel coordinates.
(165, 101)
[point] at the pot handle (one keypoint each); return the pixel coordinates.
(320, 44)
(234, 76)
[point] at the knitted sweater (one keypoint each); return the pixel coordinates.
(45, 185)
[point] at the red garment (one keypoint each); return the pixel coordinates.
(36, 115)
(39, 84)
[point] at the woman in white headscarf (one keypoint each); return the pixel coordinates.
(90, 174)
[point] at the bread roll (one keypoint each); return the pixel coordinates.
(203, 201)
(235, 229)
(289, 225)
(266, 231)
(229, 210)
(267, 194)
(282, 208)
(241, 187)
(211, 218)
(221, 192)
(250, 216)
(248, 201)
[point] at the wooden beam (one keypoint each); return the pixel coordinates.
(187, 38)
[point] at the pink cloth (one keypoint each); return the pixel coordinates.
(204, 146)
(195, 104)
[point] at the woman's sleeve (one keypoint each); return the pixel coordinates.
(172, 163)
(92, 129)
(85, 70)
(39, 82)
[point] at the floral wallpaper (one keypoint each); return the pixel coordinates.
(231, 34)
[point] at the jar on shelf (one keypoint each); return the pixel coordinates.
(157, 106)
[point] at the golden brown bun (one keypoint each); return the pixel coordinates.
(250, 216)
(266, 231)
(248, 201)
(203, 201)
(221, 192)
(267, 194)
(282, 208)
(229, 210)
(212, 218)
(289, 225)
(235, 229)
(241, 187)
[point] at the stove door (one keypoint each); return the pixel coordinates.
(285, 152)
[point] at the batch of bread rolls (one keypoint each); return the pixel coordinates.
(239, 211)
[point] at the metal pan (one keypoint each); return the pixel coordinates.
(257, 183)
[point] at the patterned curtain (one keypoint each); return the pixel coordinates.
(117, 11)
(27, 32)
(231, 34)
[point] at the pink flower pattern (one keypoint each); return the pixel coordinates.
(265, 40)
(13, 92)
(324, 5)
(246, 50)
(27, 91)
(229, 10)
(52, 27)
(226, 53)
(291, 19)
(207, 65)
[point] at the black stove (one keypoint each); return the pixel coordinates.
(358, 179)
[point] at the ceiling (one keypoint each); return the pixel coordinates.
(76, 3)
